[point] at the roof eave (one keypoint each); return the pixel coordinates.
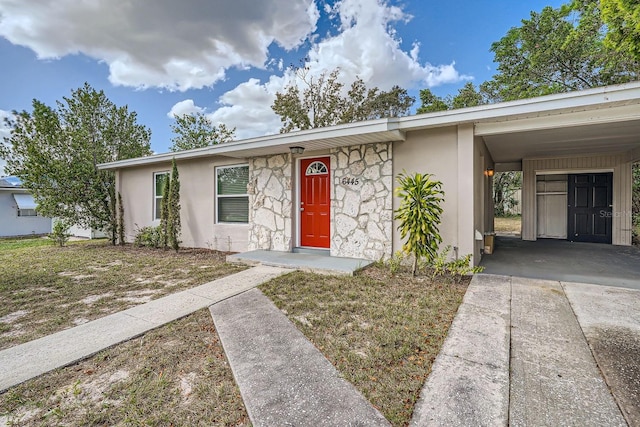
(374, 131)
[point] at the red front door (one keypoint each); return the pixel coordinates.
(315, 202)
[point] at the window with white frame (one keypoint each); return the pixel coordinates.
(232, 200)
(159, 179)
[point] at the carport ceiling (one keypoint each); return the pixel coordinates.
(567, 141)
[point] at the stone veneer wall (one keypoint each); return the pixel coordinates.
(270, 209)
(362, 211)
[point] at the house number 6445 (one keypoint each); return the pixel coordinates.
(350, 181)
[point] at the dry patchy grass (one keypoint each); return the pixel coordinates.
(510, 224)
(176, 375)
(45, 289)
(382, 332)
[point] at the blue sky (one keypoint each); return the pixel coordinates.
(229, 58)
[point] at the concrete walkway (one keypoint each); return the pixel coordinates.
(26, 361)
(521, 352)
(284, 380)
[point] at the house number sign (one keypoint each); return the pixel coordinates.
(350, 180)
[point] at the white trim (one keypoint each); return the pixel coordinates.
(571, 171)
(154, 194)
(216, 195)
(625, 97)
(313, 172)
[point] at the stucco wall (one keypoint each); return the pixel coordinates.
(13, 225)
(431, 151)
(197, 195)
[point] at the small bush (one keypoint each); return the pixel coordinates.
(395, 262)
(148, 236)
(457, 268)
(60, 233)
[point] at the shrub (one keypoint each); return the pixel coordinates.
(419, 216)
(148, 236)
(457, 268)
(60, 232)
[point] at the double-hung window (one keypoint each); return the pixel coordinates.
(232, 200)
(159, 179)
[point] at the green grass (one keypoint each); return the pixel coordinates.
(23, 242)
(382, 332)
(176, 375)
(45, 289)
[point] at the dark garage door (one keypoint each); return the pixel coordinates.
(590, 207)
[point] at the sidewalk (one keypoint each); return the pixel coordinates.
(26, 361)
(284, 380)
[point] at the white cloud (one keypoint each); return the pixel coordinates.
(366, 46)
(162, 43)
(248, 108)
(184, 107)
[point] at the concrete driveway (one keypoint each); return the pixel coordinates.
(549, 334)
(525, 351)
(561, 260)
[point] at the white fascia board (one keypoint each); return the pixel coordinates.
(554, 121)
(545, 105)
(387, 130)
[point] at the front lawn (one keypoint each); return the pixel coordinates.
(382, 332)
(176, 375)
(45, 289)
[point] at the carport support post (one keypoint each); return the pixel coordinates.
(466, 193)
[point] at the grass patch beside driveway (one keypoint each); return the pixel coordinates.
(382, 332)
(45, 289)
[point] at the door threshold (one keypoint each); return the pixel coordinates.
(311, 251)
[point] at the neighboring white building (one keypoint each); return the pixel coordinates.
(332, 188)
(18, 212)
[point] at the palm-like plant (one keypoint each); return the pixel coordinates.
(419, 215)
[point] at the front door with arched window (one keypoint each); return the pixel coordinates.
(315, 202)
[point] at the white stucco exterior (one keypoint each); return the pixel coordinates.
(13, 225)
(593, 130)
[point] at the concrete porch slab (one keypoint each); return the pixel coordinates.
(316, 263)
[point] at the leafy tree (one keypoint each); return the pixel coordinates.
(431, 103)
(55, 152)
(322, 103)
(467, 96)
(173, 221)
(505, 186)
(557, 50)
(419, 215)
(622, 18)
(198, 131)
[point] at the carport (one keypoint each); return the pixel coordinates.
(565, 261)
(576, 155)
